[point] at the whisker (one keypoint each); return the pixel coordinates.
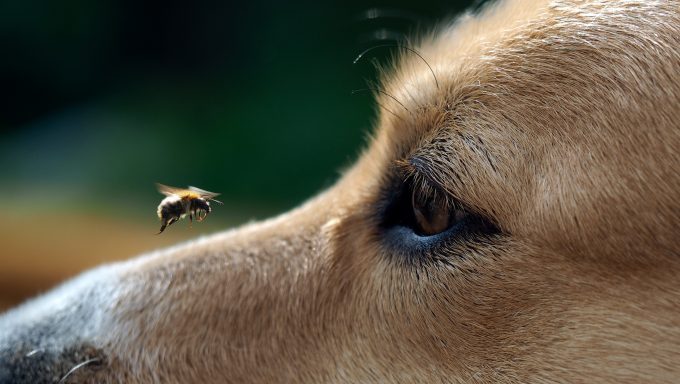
(34, 352)
(389, 13)
(402, 47)
(383, 92)
(380, 105)
(388, 110)
(77, 367)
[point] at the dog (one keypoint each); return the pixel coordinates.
(514, 219)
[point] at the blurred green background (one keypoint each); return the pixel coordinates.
(100, 99)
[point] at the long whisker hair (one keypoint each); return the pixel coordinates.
(362, 54)
(356, 91)
(369, 89)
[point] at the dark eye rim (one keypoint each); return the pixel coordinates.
(396, 223)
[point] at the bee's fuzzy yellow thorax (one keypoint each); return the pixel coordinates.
(190, 196)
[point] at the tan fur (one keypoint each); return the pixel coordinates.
(556, 120)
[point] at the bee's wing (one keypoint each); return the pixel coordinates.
(170, 191)
(203, 193)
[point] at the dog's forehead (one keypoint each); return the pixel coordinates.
(447, 65)
(522, 58)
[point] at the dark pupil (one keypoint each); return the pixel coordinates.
(425, 214)
(430, 212)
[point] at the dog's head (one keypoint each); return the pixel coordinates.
(514, 219)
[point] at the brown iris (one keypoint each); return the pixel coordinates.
(433, 212)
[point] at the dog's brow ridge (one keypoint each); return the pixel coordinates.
(420, 166)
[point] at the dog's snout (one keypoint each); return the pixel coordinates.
(49, 365)
(54, 338)
(96, 328)
(41, 347)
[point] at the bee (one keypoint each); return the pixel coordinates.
(179, 202)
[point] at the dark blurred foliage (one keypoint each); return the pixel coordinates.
(100, 99)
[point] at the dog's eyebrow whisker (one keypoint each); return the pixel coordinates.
(354, 92)
(388, 110)
(436, 82)
(418, 167)
(380, 105)
(77, 367)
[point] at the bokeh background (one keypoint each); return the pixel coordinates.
(100, 99)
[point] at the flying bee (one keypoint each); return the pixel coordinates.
(179, 202)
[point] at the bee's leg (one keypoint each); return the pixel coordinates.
(164, 224)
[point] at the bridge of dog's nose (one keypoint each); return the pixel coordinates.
(53, 339)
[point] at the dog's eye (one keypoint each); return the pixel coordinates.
(417, 219)
(425, 211)
(433, 212)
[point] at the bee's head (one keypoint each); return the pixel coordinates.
(200, 204)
